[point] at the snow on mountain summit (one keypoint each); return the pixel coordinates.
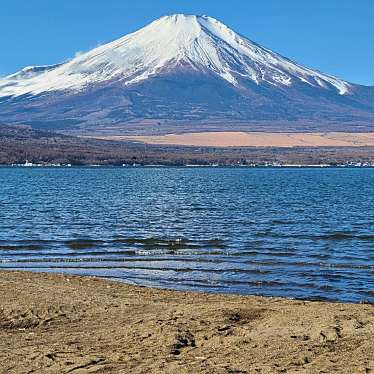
(199, 42)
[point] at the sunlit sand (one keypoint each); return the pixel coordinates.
(257, 139)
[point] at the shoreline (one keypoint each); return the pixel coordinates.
(60, 149)
(202, 166)
(61, 323)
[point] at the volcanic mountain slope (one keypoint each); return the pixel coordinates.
(183, 73)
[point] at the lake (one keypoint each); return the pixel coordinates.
(298, 233)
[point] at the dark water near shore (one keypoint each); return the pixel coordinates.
(304, 233)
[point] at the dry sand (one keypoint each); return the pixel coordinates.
(62, 324)
(256, 139)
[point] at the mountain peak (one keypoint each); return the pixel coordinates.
(186, 69)
(186, 18)
(200, 42)
(179, 17)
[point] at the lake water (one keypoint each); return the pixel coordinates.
(302, 233)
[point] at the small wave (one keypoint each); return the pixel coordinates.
(282, 222)
(368, 293)
(338, 236)
(328, 236)
(25, 247)
(83, 243)
(154, 244)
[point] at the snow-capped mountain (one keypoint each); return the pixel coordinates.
(181, 68)
(198, 42)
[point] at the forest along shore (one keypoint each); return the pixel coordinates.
(65, 324)
(21, 143)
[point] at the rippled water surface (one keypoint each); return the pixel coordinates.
(304, 233)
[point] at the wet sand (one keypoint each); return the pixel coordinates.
(63, 324)
(256, 139)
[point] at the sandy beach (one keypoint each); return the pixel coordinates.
(255, 139)
(63, 324)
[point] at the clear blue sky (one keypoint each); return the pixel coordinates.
(334, 36)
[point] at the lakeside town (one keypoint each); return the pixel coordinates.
(349, 164)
